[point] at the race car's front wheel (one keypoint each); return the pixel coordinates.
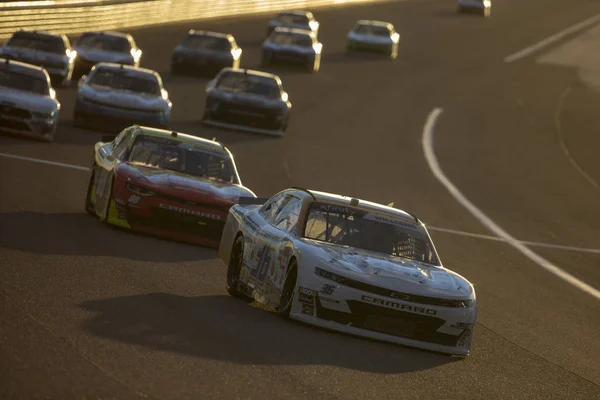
(234, 268)
(286, 299)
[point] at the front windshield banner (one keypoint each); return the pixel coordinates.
(373, 231)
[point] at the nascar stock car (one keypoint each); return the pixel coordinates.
(293, 46)
(294, 19)
(114, 96)
(44, 49)
(248, 100)
(205, 53)
(110, 47)
(164, 183)
(374, 36)
(348, 265)
(483, 7)
(28, 104)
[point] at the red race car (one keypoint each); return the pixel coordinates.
(164, 183)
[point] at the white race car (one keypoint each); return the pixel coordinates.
(483, 7)
(349, 265)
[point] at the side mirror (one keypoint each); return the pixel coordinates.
(164, 94)
(284, 96)
(52, 93)
(81, 81)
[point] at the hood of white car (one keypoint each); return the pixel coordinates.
(27, 100)
(97, 56)
(383, 270)
(123, 98)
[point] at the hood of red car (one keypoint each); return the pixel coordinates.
(184, 186)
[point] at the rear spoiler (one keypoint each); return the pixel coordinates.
(252, 200)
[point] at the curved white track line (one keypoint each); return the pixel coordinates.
(427, 140)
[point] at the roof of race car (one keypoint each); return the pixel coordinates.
(106, 33)
(22, 67)
(129, 68)
(182, 137)
(197, 32)
(362, 204)
(372, 22)
(31, 32)
(296, 12)
(250, 72)
(297, 31)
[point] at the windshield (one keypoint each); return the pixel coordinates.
(370, 231)
(207, 43)
(117, 44)
(376, 30)
(25, 82)
(48, 44)
(291, 39)
(237, 82)
(182, 157)
(126, 80)
(292, 19)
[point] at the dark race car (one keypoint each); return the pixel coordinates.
(205, 53)
(109, 47)
(295, 46)
(48, 50)
(164, 183)
(296, 19)
(248, 100)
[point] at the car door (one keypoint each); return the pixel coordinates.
(273, 240)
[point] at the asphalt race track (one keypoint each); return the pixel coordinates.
(91, 312)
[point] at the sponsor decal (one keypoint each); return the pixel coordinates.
(397, 306)
(134, 199)
(328, 289)
(337, 209)
(308, 309)
(306, 296)
(187, 211)
(389, 220)
(400, 296)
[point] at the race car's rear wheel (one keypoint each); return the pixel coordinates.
(288, 292)
(234, 268)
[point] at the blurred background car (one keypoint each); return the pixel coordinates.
(110, 47)
(28, 104)
(483, 7)
(205, 53)
(113, 96)
(248, 100)
(373, 36)
(291, 45)
(44, 49)
(294, 19)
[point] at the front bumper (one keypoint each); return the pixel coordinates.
(356, 45)
(22, 122)
(157, 215)
(101, 116)
(276, 56)
(231, 116)
(198, 66)
(436, 328)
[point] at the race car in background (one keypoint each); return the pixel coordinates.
(291, 45)
(248, 100)
(373, 36)
(164, 183)
(114, 96)
(109, 47)
(205, 53)
(294, 19)
(483, 7)
(51, 51)
(348, 265)
(28, 104)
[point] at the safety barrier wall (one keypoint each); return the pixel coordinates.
(70, 16)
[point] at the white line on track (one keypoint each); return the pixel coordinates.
(427, 141)
(36, 160)
(431, 228)
(553, 39)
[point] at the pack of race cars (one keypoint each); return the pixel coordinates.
(341, 263)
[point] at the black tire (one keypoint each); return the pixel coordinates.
(234, 267)
(89, 207)
(288, 291)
